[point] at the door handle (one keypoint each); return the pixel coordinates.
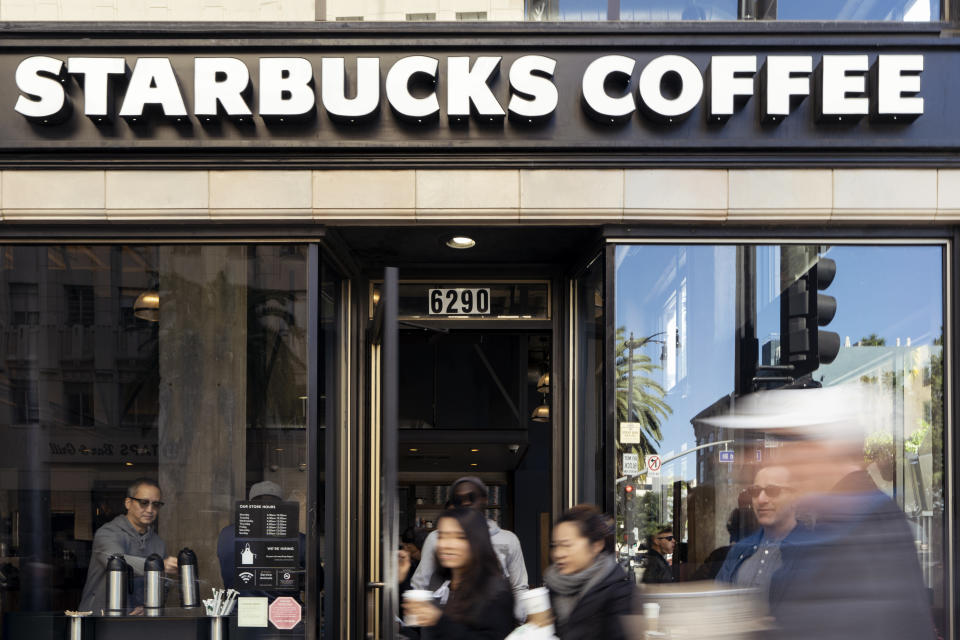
(375, 585)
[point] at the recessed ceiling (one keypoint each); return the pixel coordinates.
(399, 246)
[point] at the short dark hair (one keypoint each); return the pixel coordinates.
(139, 482)
(593, 524)
(655, 532)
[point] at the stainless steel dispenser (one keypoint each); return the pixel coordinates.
(189, 586)
(153, 583)
(119, 584)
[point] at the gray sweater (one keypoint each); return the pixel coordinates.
(118, 536)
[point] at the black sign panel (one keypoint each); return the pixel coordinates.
(267, 546)
(395, 122)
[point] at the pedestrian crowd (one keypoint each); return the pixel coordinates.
(813, 540)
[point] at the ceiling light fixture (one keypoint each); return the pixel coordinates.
(147, 306)
(461, 242)
(541, 413)
(543, 383)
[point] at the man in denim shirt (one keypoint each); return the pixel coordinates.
(753, 560)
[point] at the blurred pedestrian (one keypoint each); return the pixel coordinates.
(855, 572)
(471, 492)
(589, 591)
(661, 544)
(753, 561)
(475, 600)
(408, 557)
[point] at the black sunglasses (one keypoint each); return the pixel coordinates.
(459, 500)
(144, 503)
(772, 490)
(669, 538)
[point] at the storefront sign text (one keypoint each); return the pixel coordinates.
(668, 87)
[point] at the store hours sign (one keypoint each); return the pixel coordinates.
(503, 94)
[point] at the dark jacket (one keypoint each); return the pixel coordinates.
(598, 612)
(491, 620)
(656, 568)
(854, 574)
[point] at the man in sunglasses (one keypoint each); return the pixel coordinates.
(471, 492)
(753, 561)
(131, 535)
(661, 544)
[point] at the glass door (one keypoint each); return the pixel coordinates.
(383, 536)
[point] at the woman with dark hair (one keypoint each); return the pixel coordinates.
(480, 601)
(589, 591)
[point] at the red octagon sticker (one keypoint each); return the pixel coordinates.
(285, 613)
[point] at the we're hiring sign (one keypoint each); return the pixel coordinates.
(488, 96)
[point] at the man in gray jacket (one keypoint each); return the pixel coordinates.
(131, 535)
(472, 492)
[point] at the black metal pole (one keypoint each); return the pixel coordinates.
(389, 409)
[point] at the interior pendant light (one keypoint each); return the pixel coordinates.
(543, 383)
(541, 413)
(147, 306)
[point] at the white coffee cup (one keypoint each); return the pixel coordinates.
(535, 600)
(651, 610)
(415, 595)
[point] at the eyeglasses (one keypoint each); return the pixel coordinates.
(144, 503)
(667, 538)
(772, 490)
(459, 500)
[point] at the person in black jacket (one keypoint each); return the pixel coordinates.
(659, 546)
(589, 591)
(479, 599)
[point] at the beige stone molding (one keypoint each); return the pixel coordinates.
(499, 196)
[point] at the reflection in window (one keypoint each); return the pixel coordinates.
(24, 303)
(204, 391)
(664, 10)
(670, 376)
(635, 10)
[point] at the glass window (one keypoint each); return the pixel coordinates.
(183, 364)
(637, 10)
(700, 328)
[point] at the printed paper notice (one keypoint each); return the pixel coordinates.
(252, 612)
(629, 433)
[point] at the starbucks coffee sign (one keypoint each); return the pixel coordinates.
(668, 87)
(488, 98)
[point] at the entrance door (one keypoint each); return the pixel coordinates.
(383, 538)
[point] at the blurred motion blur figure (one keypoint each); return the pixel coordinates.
(589, 592)
(854, 573)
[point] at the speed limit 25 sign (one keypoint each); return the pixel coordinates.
(459, 302)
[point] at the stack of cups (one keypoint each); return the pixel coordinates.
(535, 601)
(415, 595)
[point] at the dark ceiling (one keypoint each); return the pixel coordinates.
(422, 247)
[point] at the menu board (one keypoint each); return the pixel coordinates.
(267, 546)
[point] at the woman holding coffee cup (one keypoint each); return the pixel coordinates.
(588, 589)
(479, 601)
